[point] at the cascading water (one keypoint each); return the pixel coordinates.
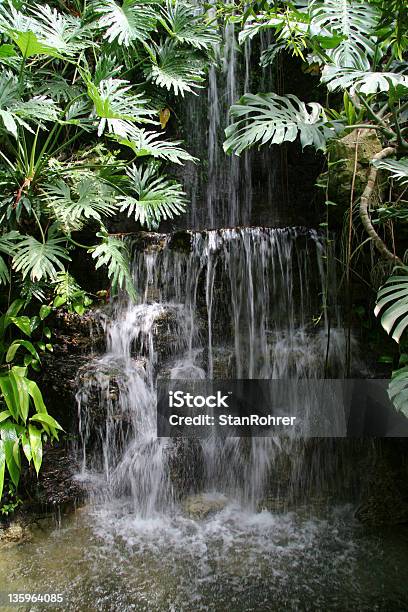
(237, 303)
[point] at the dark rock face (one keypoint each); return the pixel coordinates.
(384, 493)
(55, 488)
(75, 340)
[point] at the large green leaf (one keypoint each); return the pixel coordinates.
(175, 69)
(358, 80)
(9, 436)
(42, 30)
(392, 301)
(37, 397)
(7, 391)
(116, 105)
(113, 254)
(14, 346)
(144, 143)
(397, 168)
(20, 386)
(355, 21)
(270, 118)
(155, 197)
(185, 25)
(398, 390)
(2, 466)
(128, 23)
(40, 260)
(85, 200)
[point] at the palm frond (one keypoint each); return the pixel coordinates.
(175, 69)
(361, 81)
(130, 22)
(149, 143)
(87, 199)
(185, 24)
(270, 118)
(156, 197)
(113, 254)
(40, 260)
(355, 21)
(397, 168)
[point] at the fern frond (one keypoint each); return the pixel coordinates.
(7, 246)
(14, 111)
(42, 30)
(156, 198)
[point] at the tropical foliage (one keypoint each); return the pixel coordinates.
(87, 90)
(357, 47)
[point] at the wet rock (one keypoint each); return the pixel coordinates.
(56, 487)
(14, 533)
(186, 469)
(202, 505)
(75, 339)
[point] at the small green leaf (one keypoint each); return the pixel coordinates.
(47, 332)
(59, 301)
(25, 441)
(44, 311)
(36, 394)
(7, 391)
(47, 419)
(36, 446)
(14, 347)
(22, 323)
(5, 415)
(2, 466)
(79, 309)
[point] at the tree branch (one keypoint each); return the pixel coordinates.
(364, 210)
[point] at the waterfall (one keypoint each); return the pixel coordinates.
(236, 303)
(227, 190)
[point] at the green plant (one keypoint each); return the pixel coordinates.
(24, 420)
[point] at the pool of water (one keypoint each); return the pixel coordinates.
(106, 558)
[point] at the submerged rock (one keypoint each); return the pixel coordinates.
(202, 505)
